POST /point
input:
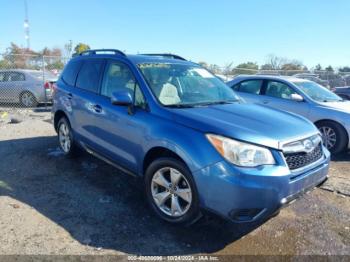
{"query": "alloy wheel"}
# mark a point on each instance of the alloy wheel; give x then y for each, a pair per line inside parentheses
(64, 137)
(329, 136)
(28, 100)
(171, 192)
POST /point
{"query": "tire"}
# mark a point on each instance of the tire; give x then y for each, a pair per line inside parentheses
(334, 135)
(27, 99)
(66, 139)
(180, 211)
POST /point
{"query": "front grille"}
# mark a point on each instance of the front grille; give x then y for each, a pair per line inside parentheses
(301, 159)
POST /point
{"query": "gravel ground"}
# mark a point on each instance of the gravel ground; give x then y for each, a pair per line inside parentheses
(53, 205)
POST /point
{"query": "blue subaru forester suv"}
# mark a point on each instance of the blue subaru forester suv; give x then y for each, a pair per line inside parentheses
(196, 144)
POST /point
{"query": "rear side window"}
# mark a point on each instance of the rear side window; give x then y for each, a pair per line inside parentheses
(70, 72)
(250, 86)
(89, 75)
(15, 76)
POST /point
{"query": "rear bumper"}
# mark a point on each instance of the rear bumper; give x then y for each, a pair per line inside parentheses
(247, 195)
(44, 96)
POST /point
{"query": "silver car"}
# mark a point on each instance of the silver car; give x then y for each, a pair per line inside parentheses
(329, 112)
(26, 87)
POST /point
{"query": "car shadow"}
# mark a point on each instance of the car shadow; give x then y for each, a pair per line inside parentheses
(100, 206)
(342, 157)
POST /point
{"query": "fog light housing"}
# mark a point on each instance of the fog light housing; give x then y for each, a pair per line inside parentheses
(245, 215)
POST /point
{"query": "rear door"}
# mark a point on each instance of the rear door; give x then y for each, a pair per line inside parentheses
(278, 95)
(250, 90)
(83, 98)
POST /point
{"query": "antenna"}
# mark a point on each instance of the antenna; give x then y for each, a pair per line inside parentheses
(26, 25)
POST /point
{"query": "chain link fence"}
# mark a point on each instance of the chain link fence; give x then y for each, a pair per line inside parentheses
(329, 79)
(26, 83)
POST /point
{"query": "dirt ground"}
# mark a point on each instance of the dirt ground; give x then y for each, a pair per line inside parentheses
(53, 205)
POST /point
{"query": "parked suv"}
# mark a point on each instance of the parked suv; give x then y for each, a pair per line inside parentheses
(329, 112)
(26, 87)
(196, 144)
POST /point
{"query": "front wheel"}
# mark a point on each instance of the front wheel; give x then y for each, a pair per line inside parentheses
(334, 136)
(171, 191)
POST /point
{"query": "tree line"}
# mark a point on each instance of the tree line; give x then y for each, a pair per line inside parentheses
(18, 57)
(272, 63)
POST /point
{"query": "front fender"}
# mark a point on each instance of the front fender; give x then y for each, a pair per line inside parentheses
(190, 145)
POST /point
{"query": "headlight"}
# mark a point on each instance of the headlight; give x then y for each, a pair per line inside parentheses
(241, 154)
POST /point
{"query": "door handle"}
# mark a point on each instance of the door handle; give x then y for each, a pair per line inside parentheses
(265, 102)
(69, 95)
(97, 108)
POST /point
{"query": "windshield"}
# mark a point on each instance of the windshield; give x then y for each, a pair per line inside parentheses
(177, 85)
(317, 92)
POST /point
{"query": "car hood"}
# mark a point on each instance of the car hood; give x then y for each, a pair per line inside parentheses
(339, 106)
(247, 122)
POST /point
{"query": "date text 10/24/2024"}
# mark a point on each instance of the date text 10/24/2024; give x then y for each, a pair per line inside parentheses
(173, 258)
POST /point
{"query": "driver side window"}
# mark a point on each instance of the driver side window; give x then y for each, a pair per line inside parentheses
(279, 90)
(118, 77)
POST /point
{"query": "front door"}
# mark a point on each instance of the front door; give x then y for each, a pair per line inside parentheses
(278, 95)
(120, 132)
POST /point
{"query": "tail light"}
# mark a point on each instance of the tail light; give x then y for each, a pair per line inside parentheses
(47, 85)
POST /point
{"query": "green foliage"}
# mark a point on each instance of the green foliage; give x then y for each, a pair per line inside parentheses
(329, 68)
(4, 64)
(318, 67)
(248, 68)
(203, 64)
(291, 66)
(81, 47)
(345, 69)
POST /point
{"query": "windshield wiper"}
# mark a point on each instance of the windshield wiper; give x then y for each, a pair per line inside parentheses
(223, 102)
(180, 106)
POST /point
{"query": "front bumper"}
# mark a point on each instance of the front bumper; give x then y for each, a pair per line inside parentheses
(249, 194)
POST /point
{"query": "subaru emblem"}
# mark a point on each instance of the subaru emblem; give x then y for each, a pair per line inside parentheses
(308, 145)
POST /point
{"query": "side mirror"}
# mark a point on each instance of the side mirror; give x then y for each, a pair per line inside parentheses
(297, 98)
(122, 98)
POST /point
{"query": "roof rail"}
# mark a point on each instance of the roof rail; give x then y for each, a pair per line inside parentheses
(167, 56)
(95, 51)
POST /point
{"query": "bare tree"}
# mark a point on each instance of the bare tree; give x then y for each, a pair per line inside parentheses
(275, 62)
(68, 48)
(227, 69)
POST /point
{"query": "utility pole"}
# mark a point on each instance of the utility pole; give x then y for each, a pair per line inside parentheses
(26, 25)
